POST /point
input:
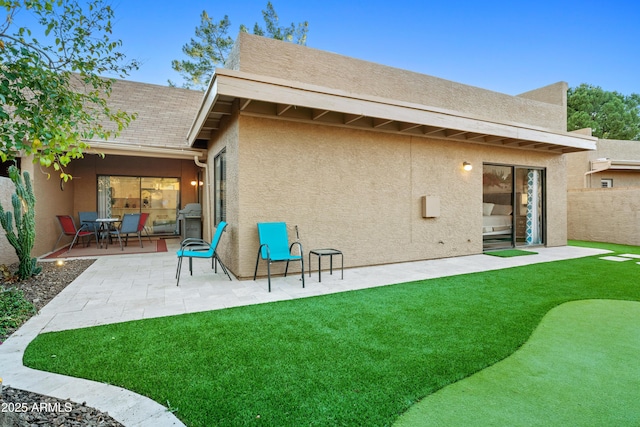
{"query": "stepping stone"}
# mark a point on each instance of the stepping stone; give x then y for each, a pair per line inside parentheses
(631, 256)
(615, 258)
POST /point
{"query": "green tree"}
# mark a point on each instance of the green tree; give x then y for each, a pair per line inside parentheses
(610, 115)
(213, 43)
(52, 98)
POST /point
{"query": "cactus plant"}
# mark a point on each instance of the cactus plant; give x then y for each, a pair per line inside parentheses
(23, 235)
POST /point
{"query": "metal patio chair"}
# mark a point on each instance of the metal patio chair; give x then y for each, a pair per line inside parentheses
(142, 225)
(274, 247)
(128, 226)
(88, 219)
(69, 229)
(198, 248)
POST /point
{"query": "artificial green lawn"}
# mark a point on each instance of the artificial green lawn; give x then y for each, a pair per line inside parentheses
(354, 358)
(577, 369)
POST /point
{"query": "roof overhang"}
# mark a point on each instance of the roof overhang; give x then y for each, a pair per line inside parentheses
(601, 165)
(137, 150)
(258, 95)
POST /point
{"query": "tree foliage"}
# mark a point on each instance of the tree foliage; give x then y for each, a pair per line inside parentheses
(212, 44)
(610, 115)
(52, 98)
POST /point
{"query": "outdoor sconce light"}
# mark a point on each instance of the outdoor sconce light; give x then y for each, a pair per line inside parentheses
(199, 183)
(467, 166)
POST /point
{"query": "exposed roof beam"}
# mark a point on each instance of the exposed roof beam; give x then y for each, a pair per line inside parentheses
(543, 146)
(510, 142)
(222, 108)
(212, 123)
(244, 103)
(350, 118)
(526, 143)
(454, 132)
(381, 122)
(430, 130)
(480, 136)
(318, 113)
(408, 126)
(494, 139)
(281, 109)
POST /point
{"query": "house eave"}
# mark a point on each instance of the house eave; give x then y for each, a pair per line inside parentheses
(601, 165)
(258, 95)
(139, 150)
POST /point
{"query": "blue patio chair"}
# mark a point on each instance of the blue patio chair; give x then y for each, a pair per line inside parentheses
(274, 247)
(88, 219)
(128, 226)
(198, 248)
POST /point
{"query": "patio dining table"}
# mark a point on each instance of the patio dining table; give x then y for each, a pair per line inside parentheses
(105, 226)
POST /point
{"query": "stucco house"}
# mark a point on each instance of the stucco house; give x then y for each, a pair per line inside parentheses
(350, 151)
(604, 193)
(150, 160)
(365, 158)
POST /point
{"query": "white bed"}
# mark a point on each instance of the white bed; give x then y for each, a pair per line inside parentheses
(496, 219)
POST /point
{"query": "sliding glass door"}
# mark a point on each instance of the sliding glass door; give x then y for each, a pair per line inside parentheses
(513, 206)
(160, 197)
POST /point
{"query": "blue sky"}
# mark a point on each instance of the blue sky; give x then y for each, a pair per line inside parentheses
(506, 46)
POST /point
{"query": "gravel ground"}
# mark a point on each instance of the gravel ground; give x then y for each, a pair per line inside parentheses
(22, 408)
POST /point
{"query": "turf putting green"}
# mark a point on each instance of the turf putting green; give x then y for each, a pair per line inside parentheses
(579, 368)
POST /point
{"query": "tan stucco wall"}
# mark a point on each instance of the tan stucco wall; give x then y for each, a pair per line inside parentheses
(543, 107)
(50, 201)
(360, 191)
(605, 215)
(579, 164)
(227, 139)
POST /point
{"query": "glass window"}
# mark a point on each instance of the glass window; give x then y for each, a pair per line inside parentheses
(160, 197)
(220, 164)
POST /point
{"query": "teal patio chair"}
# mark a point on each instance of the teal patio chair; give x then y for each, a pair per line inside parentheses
(274, 247)
(198, 248)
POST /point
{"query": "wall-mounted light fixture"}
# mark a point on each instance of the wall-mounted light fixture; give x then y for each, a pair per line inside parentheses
(467, 166)
(194, 183)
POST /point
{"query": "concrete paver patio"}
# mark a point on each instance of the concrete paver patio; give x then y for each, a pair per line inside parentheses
(132, 287)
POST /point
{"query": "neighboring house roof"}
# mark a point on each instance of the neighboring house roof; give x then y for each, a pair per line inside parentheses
(335, 90)
(160, 129)
(617, 155)
(601, 165)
